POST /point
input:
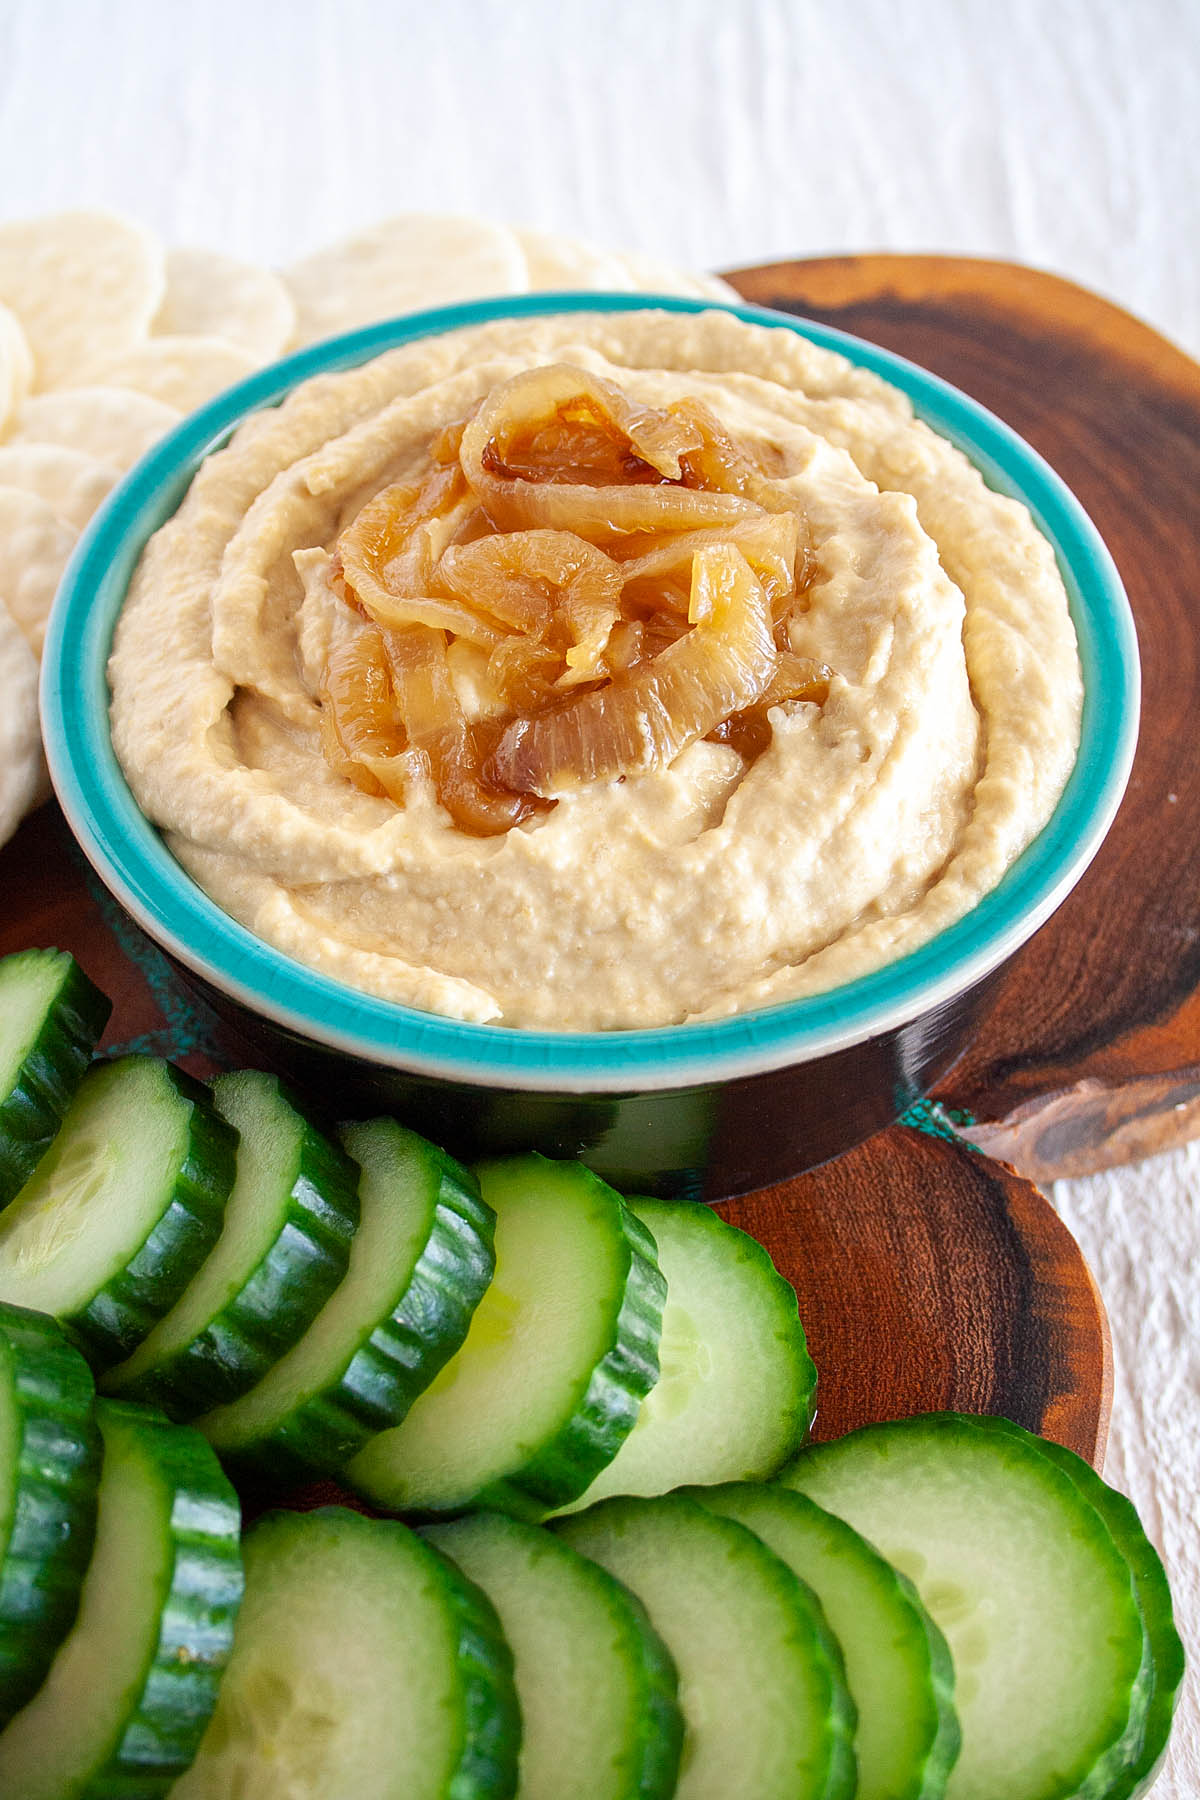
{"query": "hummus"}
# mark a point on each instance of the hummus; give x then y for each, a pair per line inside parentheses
(873, 817)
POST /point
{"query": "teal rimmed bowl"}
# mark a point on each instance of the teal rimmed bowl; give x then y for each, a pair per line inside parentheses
(713, 1108)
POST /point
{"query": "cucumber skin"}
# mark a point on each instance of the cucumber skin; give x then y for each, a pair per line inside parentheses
(1150, 1586)
(31, 1113)
(126, 1309)
(488, 1766)
(946, 1736)
(565, 1466)
(1100, 1781)
(400, 1356)
(800, 1424)
(279, 1301)
(841, 1778)
(44, 1561)
(490, 1738)
(163, 1733)
(660, 1744)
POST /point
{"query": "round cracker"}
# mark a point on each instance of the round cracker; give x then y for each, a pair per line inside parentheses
(402, 265)
(16, 366)
(22, 771)
(115, 425)
(35, 547)
(182, 371)
(650, 275)
(85, 285)
(71, 483)
(215, 296)
(715, 287)
(562, 262)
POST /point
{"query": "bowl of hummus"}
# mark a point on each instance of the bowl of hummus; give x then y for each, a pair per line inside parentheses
(625, 726)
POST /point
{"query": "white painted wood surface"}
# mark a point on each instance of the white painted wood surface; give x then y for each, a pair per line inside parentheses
(1063, 133)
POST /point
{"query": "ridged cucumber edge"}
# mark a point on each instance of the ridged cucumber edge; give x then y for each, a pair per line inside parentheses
(654, 1764)
(1096, 1781)
(163, 1731)
(772, 1282)
(279, 1300)
(946, 1742)
(32, 1111)
(661, 1744)
(399, 1356)
(944, 1732)
(813, 1634)
(488, 1766)
(1153, 1594)
(126, 1309)
(841, 1719)
(49, 1544)
(607, 1410)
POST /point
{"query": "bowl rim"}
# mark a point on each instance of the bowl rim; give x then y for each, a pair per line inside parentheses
(131, 858)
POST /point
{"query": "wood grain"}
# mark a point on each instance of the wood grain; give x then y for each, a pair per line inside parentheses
(1089, 1051)
(931, 1277)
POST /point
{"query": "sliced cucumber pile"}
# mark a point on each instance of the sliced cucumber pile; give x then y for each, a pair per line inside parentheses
(51, 1018)
(766, 1707)
(284, 1246)
(560, 1354)
(419, 1262)
(944, 1608)
(596, 1684)
(122, 1209)
(49, 1469)
(735, 1391)
(129, 1693)
(363, 1666)
(1024, 1578)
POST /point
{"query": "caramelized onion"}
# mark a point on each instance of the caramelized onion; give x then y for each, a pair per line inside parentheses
(643, 718)
(521, 488)
(361, 736)
(768, 542)
(797, 678)
(438, 731)
(521, 578)
(392, 545)
(619, 578)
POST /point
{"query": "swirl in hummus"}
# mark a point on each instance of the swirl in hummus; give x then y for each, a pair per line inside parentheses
(873, 808)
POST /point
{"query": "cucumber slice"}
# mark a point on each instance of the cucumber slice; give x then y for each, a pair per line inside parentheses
(283, 1248)
(735, 1395)
(765, 1705)
(898, 1666)
(129, 1694)
(49, 1468)
(596, 1684)
(363, 1665)
(122, 1209)
(1151, 1591)
(51, 1018)
(420, 1260)
(561, 1352)
(1023, 1577)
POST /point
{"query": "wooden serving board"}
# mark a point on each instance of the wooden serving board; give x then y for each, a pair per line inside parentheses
(928, 1276)
(1089, 1051)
